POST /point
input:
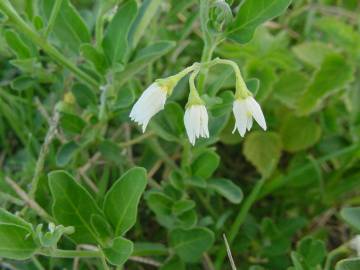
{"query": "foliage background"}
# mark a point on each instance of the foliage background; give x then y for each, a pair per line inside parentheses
(277, 195)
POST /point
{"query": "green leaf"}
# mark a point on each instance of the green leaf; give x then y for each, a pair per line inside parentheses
(340, 33)
(16, 242)
(352, 216)
(312, 53)
(83, 95)
(348, 264)
(11, 219)
(125, 97)
(96, 58)
(325, 83)
(110, 150)
(17, 45)
(312, 251)
(23, 83)
(119, 252)
(115, 43)
(226, 188)
(205, 164)
(121, 201)
(191, 244)
(101, 227)
(73, 206)
(173, 263)
(299, 133)
(66, 153)
(263, 150)
(181, 206)
(265, 74)
(252, 14)
(161, 205)
(169, 123)
(72, 123)
(145, 57)
(290, 86)
(69, 28)
(146, 13)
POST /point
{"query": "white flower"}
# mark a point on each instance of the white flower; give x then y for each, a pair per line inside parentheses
(150, 103)
(196, 122)
(245, 109)
(355, 244)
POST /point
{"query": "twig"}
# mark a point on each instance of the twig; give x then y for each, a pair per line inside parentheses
(45, 114)
(29, 201)
(43, 152)
(89, 182)
(208, 264)
(145, 261)
(228, 250)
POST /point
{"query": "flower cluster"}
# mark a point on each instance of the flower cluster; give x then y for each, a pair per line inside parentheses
(153, 99)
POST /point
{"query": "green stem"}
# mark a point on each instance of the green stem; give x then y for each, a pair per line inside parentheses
(54, 12)
(343, 249)
(234, 230)
(206, 56)
(60, 253)
(23, 27)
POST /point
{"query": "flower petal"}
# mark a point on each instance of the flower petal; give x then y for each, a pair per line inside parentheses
(256, 111)
(240, 113)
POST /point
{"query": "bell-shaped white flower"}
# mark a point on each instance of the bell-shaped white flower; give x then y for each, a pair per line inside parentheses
(245, 109)
(355, 244)
(196, 122)
(150, 103)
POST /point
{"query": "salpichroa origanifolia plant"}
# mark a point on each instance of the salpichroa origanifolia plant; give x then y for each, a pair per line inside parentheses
(129, 130)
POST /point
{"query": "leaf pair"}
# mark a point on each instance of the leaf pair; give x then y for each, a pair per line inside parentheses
(74, 206)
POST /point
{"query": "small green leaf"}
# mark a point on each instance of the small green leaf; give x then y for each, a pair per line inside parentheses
(312, 53)
(96, 58)
(146, 13)
(83, 95)
(252, 14)
(23, 83)
(191, 244)
(263, 150)
(352, 216)
(227, 189)
(169, 123)
(289, 87)
(110, 150)
(325, 83)
(69, 28)
(72, 123)
(119, 252)
(66, 153)
(206, 164)
(348, 264)
(115, 43)
(121, 201)
(16, 242)
(312, 251)
(181, 206)
(73, 206)
(299, 133)
(17, 45)
(8, 218)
